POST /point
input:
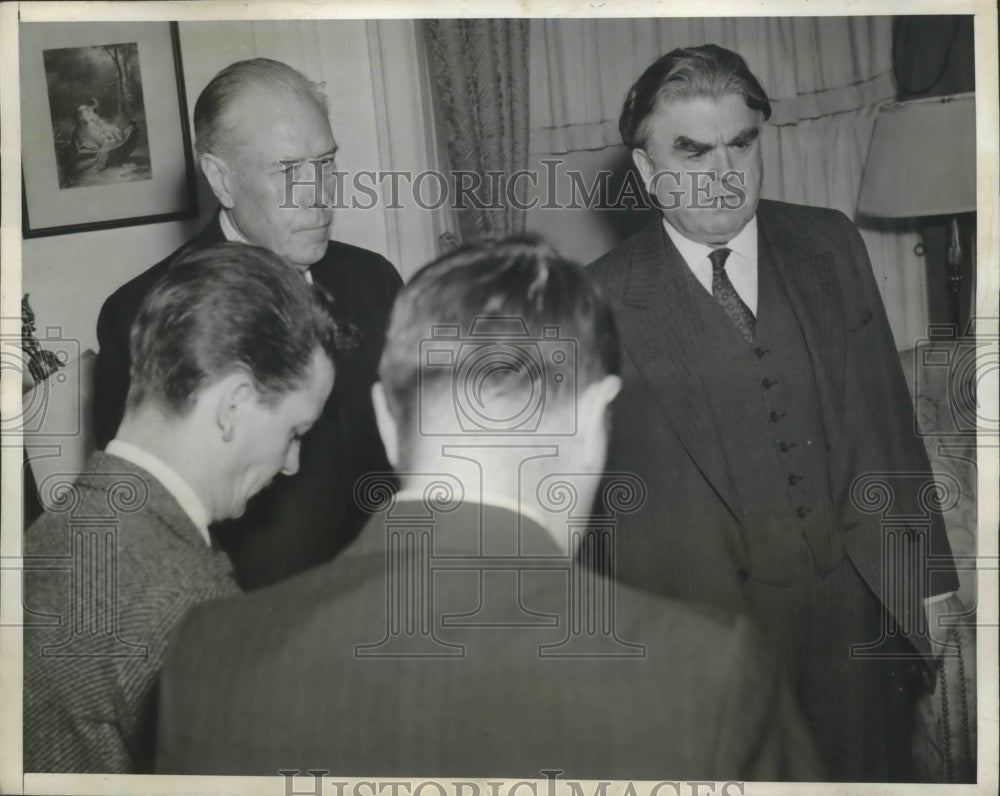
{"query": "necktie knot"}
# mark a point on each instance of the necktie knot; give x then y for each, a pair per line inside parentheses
(718, 258)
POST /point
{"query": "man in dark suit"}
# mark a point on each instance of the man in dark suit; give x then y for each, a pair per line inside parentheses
(760, 380)
(442, 642)
(234, 362)
(263, 140)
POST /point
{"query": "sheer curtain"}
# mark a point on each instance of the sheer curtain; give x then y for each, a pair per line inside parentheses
(825, 77)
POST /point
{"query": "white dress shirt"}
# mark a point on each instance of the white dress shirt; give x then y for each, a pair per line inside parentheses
(233, 235)
(180, 489)
(741, 265)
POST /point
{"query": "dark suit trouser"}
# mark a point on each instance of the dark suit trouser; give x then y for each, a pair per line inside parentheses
(859, 708)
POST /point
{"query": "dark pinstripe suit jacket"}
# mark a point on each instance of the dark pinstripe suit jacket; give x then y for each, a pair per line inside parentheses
(685, 540)
(108, 572)
(311, 674)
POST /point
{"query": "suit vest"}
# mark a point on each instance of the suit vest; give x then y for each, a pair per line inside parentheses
(764, 401)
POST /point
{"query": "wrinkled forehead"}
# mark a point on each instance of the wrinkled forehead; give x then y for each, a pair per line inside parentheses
(701, 117)
(277, 120)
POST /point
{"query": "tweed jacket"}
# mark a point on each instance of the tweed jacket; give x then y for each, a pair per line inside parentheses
(109, 570)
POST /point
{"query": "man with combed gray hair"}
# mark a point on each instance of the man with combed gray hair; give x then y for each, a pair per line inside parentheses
(233, 357)
(260, 127)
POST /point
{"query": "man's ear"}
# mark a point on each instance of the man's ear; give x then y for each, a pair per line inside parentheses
(387, 427)
(597, 397)
(645, 166)
(220, 178)
(233, 396)
(593, 408)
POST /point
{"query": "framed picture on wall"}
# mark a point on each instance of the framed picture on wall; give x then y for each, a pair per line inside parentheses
(104, 126)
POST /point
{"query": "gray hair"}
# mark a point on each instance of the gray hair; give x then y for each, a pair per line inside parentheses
(213, 123)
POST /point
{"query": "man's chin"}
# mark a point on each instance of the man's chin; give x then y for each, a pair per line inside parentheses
(306, 255)
(718, 230)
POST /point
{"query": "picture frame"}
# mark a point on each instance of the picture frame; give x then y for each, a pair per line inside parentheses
(105, 140)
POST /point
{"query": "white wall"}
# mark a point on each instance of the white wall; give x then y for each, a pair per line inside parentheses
(369, 68)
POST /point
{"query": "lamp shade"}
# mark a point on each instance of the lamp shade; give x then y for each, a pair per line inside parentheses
(922, 160)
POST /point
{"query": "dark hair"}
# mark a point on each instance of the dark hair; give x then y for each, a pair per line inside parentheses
(486, 286)
(213, 122)
(224, 307)
(705, 71)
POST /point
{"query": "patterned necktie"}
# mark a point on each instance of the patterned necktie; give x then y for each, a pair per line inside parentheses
(727, 296)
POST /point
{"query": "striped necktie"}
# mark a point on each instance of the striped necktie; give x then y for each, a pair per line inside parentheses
(727, 296)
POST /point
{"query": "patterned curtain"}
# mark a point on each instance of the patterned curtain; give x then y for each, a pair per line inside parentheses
(479, 69)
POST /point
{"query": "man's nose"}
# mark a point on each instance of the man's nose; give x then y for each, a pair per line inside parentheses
(291, 466)
(722, 163)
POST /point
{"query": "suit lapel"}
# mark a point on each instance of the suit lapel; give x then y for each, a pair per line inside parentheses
(806, 273)
(661, 332)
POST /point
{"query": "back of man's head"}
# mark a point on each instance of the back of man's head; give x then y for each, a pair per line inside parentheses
(496, 338)
(217, 124)
(220, 308)
(686, 73)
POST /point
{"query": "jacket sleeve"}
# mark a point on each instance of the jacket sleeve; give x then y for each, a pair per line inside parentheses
(905, 448)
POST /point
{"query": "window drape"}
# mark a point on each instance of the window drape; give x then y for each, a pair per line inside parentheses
(479, 68)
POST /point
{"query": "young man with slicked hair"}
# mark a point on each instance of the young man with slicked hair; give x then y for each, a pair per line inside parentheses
(233, 356)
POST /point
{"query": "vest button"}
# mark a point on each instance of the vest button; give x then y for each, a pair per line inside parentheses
(775, 415)
(767, 384)
(760, 353)
(784, 447)
(794, 479)
(802, 511)
(742, 575)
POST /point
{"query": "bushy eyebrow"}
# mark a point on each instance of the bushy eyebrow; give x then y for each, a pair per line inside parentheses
(684, 144)
(745, 136)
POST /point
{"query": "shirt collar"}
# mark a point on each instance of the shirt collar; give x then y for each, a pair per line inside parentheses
(180, 489)
(499, 501)
(233, 235)
(693, 252)
(229, 228)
